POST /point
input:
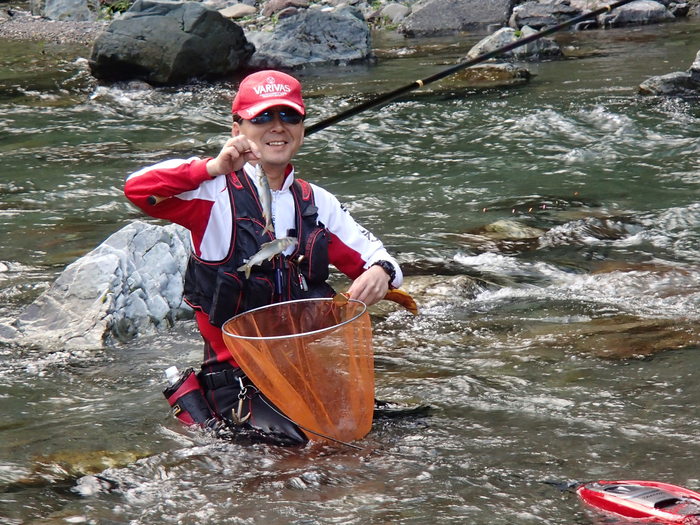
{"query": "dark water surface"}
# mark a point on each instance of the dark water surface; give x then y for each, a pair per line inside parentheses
(564, 349)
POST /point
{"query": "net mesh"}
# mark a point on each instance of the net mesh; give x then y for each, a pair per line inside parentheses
(313, 359)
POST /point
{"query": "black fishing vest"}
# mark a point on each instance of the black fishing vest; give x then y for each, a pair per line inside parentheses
(221, 291)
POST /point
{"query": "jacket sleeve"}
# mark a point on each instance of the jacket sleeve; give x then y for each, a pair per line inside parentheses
(188, 196)
(352, 248)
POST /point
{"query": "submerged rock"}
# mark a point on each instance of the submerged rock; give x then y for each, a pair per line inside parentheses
(436, 291)
(680, 83)
(481, 76)
(437, 288)
(536, 50)
(71, 465)
(673, 84)
(131, 284)
(512, 230)
(502, 236)
(621, 337)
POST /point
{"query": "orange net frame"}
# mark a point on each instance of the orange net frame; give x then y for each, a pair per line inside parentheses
(313, 359)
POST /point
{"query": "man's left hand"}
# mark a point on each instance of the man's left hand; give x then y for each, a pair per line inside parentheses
(371, 286)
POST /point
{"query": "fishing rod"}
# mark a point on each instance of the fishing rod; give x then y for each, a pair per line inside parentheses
(391, 95)
(417, 84)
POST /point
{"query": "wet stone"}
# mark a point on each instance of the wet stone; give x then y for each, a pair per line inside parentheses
(129, 285)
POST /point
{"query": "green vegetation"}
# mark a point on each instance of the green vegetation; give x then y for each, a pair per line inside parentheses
(109, 8)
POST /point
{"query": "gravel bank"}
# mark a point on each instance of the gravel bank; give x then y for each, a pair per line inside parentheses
(17, 24)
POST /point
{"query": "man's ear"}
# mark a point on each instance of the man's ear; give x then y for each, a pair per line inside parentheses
(235, 129)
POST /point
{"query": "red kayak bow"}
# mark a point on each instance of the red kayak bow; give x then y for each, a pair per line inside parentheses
(645, 500)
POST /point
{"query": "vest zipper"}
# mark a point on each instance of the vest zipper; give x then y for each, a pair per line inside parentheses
(273, 210)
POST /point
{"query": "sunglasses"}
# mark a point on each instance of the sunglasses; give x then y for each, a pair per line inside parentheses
(288, 116)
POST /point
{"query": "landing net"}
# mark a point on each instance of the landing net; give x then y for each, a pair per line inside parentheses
(313, 359)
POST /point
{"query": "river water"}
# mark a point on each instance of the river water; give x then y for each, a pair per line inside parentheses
(550, 234)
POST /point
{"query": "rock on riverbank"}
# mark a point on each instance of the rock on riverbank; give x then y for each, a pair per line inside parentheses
(18, 23)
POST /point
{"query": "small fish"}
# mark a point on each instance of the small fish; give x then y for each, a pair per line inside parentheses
(402, 298)
(265, 198)
(267, 251)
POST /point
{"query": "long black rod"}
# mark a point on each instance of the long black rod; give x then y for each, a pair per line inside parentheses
(391, 95)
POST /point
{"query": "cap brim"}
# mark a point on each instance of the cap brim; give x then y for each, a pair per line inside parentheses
(258, 108)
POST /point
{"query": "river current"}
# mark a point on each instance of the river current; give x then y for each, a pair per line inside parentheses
(550, 233)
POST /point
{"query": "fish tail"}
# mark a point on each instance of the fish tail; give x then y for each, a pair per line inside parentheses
(245, 268)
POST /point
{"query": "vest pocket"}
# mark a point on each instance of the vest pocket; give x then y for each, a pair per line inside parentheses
(234, 295)
(260, 291)
(316, 260)
(227, 299)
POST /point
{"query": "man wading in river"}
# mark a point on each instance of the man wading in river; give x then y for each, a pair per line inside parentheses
(245, 201)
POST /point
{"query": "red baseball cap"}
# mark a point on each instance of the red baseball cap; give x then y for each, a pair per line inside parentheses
(265, 89)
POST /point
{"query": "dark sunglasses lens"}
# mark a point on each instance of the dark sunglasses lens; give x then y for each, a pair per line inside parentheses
(262, 118)
(288, 117)
(291, 117)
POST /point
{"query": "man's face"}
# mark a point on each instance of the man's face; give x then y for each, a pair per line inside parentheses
(277, 140)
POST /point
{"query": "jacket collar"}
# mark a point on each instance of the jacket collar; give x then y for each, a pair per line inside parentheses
(249, 170)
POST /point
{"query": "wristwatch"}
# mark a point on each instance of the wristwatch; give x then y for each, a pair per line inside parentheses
(388, 268)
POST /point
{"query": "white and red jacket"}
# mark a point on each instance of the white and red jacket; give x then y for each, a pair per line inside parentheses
(202, 204)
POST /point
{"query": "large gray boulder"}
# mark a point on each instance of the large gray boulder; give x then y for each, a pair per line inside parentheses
(131, 284)
(441, 17)
(313, 37)
(169, 43)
